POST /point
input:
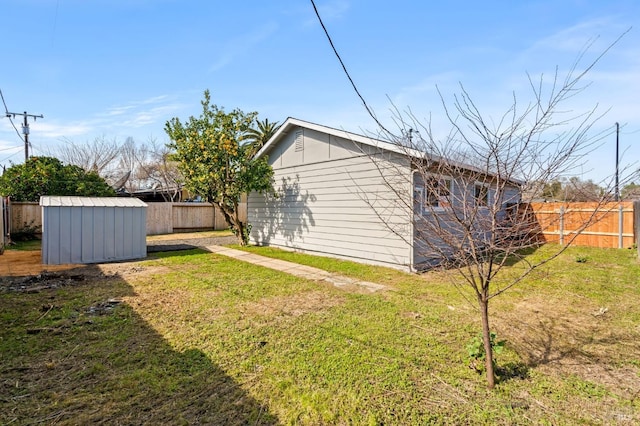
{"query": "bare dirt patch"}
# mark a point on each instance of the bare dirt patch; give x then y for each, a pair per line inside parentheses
(564, 342)
(27, 264)
(16, 263)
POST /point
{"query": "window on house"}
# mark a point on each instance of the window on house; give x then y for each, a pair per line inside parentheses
(418, 199)
(481, 194)
(437, 193)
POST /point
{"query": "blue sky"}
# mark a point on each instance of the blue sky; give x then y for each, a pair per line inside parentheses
(119, 68)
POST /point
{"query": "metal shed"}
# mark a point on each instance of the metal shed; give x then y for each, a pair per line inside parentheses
(92, 229)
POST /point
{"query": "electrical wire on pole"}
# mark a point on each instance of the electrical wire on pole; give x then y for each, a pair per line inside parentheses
(25, 128)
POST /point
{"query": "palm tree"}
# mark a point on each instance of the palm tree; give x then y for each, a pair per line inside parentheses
(259, 135)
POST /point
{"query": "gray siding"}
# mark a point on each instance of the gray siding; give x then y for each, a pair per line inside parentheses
(334, 200)
(429, 246)
(77, 233)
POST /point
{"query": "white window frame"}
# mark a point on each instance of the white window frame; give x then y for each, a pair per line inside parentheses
(482, 187)
(430, 201)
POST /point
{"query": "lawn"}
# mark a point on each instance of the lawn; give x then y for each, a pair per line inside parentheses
(194, 338)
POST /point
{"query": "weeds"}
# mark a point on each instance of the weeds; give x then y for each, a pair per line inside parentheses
(477, 354)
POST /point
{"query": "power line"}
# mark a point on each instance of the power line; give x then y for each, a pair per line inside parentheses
(344, 68)
(6, 111)
(25, 129)
(25, 125)
(7, 158)
(3, 102)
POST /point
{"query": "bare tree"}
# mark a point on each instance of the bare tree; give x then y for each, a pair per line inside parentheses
(129, 166)
(159, 171)
(469, 211)
(150, 167)
(99, 155)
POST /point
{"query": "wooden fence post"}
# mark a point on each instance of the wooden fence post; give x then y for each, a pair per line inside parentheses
(561, 240)
(620, 225)
(636, 224)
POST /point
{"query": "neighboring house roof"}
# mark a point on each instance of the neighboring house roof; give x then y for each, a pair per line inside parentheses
(67, 201)
(365, 140)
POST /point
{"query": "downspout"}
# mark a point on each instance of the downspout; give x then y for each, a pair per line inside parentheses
(411, 222)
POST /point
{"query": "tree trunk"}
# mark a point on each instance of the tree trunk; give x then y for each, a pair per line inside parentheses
(233, 220)
(483, 301)
(241, 226)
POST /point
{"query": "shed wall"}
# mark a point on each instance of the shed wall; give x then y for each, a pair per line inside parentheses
(335, 200)
(92, 234)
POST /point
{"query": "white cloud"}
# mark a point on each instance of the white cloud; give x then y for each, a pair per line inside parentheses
(335, 9)
(151, 116)
(329, 11)
(124, 109)
(54, 130)
(135, 114)
(575, 38)
(237, 46)
(118, 110)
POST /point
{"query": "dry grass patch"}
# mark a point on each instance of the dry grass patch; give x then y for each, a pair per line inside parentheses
(292, 305)
(190, 235)
(565, 338)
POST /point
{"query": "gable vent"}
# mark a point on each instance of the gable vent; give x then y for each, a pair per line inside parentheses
(299, 141)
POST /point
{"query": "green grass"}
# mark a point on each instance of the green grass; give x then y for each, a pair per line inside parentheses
(24, 245)
(202, 339)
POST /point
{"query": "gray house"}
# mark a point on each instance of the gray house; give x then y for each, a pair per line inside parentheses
(346, 195)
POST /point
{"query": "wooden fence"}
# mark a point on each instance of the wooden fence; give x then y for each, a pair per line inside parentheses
(167, 218)
(5, 225)
(614, 225)
(25, 215)
(162, 218)
(636, 224)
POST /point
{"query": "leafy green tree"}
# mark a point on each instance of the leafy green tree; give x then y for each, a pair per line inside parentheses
(49, 176)
(578, 190)
(216, 164)
(631, 191)
(552, 190)
(258, 136)
(572, 189)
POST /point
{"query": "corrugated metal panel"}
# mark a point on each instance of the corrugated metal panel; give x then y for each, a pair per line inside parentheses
(92, 230)
(66, 201)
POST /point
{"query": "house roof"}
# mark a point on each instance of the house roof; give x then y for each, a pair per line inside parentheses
(365, 140)
(294, 122)
(67, 201)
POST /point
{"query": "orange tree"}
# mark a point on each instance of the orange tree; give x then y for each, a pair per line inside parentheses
(216, 164)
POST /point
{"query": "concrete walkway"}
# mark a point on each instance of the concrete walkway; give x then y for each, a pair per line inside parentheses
(301, 271)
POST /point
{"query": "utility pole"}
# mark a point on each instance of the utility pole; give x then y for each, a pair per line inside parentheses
(25, 129)
(617, 161)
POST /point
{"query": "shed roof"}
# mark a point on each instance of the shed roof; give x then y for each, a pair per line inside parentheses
(66, 201)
